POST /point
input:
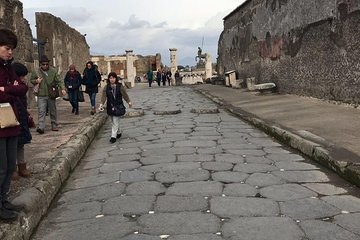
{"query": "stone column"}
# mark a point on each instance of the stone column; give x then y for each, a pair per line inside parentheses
(108, 66)
(173, 64)
(208, 66)
(130, 67)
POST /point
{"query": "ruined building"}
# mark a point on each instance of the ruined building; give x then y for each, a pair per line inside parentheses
(306, 47)
(11, 17)
(63, 44)
(118, 64)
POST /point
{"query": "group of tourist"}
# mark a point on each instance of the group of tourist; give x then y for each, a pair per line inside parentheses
(47, 85)
(162, 76)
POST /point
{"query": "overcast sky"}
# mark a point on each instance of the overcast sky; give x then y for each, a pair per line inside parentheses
(146, 26)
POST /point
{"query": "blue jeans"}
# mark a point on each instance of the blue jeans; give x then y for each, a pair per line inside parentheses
(73, 98)
(92, 97)
(8, 152)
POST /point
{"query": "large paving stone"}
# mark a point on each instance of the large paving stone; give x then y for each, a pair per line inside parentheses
(259, 160)
(141, 237)
(264, 179)
(195, 158)
(217, 166)
(92, 193)
(295, 166)
(284, 157)
(254, 168)
(120, 166)
(302, 176)
(180, 204)
(262, 228)
(239, 146)
(229, 158)
(123, 158)
(179, 223)
(73, 212)
(124, 151)
(229, 177)
(247, 152)
(309, 208)
(196, 237)
(92, 181)
(349, 222)
(157, 145)
(135, 176)
(195, 143)
(243, 207)
(149, 160)
(129, 205)
(240, 190)
(195, 188)
(182, 175)
(169, 151)
(325, 188)
(145, 188)
(286, 192)
(171, 166)
(344, 202)
(110, 227)
(210, 150)
(320, 230)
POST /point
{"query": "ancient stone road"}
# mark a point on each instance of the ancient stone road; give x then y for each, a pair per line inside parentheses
(198, 176)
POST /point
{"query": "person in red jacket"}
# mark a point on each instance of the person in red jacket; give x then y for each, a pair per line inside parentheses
(11, 88)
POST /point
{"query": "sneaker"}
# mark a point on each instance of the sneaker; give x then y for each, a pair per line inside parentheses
(9, 206)
(118, 135)
(7, 215)
(112, 140)
(55, 129)
(40, 131)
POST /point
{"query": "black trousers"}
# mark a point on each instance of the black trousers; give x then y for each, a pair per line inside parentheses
(8, 155)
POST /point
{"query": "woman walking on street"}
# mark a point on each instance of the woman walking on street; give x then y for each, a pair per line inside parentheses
(91, 78)
(11, 88)
(113, 94)
(72, 82)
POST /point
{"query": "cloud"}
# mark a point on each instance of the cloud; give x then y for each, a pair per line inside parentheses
(111, 28)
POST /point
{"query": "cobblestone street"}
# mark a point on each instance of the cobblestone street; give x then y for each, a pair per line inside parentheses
(188, 170)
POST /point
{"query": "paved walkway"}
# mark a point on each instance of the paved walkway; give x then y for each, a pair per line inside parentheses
(199, 176)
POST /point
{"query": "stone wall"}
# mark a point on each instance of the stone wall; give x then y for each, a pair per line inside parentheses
(11, 17)
(306, 47)
(64, 45)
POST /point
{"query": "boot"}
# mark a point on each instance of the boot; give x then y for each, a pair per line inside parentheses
(92, 112)
(7, 215)
(12, 207)
(23, 172)
(15, 176)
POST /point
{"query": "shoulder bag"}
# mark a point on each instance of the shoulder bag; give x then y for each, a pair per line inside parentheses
(7, 116)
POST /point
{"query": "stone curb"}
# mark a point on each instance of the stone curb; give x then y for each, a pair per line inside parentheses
(38, 198)
(315, 151)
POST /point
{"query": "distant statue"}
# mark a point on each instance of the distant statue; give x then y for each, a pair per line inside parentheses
(200, 56)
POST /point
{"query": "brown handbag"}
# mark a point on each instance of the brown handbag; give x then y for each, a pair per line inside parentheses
(7, 116)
